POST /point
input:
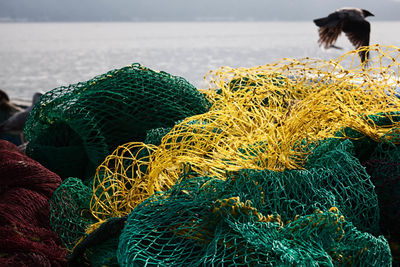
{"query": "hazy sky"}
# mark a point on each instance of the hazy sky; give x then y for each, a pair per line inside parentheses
(186, 10)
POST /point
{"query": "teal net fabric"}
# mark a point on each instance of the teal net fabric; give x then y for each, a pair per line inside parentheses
(204, 221)
(73, 128)
(70, 211)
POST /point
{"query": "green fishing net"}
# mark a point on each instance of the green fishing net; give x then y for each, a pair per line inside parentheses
(70, 218)
(207, 221)
(104, 254)
(73, 128)
(69, 211)
(339, 171)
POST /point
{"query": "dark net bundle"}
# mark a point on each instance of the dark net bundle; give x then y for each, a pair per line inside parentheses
(103, 254)
(26, 238)
(100, 246)
(72, 129)
(384, 168)
(381, 159)
(206, 221)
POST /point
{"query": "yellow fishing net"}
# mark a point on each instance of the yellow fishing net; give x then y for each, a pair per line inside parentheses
(123, 172)
(263, 117)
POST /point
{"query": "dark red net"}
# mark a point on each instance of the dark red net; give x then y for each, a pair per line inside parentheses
(25, 189)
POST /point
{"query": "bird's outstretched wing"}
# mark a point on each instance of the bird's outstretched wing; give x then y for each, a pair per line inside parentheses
(358, 34)
(329, 35)
(329, 30)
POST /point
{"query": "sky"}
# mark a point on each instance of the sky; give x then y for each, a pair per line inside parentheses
(187, 10)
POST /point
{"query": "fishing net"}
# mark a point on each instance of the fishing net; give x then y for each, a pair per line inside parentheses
(25, 189)
(69, 211)
(127, 168)
(253, 180)
(73, 128)
(334, 177)
(71, 219)
(8, 146)
(207, 221)
(264, 117)
(267, 117)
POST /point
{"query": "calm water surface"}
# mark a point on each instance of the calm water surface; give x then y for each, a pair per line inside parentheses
(42, 56)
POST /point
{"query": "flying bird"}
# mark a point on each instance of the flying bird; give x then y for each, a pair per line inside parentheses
(352, 22)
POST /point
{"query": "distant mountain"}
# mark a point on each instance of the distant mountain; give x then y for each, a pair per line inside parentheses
(184, 10)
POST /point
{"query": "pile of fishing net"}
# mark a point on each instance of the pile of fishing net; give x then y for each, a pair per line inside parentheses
(273, 173)
(207, 221)
(73, 128)
(26, 238)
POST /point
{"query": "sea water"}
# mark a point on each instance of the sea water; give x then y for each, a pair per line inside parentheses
(42, 56)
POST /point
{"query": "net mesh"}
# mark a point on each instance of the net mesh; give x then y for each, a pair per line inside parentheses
(99, 247)
(72, 129)
(70, 215)
(207, 221)
(127, 168)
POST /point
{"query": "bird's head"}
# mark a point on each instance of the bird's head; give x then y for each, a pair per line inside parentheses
(366, 13)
